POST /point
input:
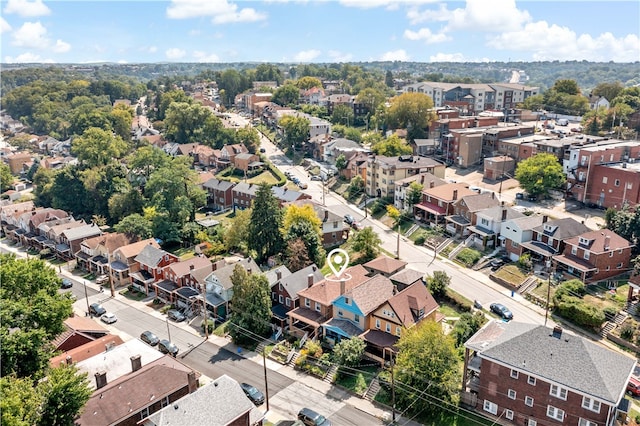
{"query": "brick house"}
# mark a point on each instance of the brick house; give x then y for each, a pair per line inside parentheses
(514, 232)
(125, 270)
(426, 180)
(247, 162)
(382, 172)
(284, 292)
(496, 167)
(95, 253)
(437, 202)
(219, 193)
(228, 154)
(548, 239)
(244, 194)
(315, 302)
(594, 256)
(465, 210)
(356, 166)
(405, 278)
(384, 265)
(334, 230)
(532, 375)
(70, 239)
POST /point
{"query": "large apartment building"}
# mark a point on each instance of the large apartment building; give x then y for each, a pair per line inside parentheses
(383, 172)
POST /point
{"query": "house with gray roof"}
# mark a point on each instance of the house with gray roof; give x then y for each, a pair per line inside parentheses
(488, 223)
(284, 292)
(219, 193)
(244, 194)
(465, 210)
(516, 231)
(535, 375)
(70, 239)
(152, 261)
(548, 238)
(219, 403)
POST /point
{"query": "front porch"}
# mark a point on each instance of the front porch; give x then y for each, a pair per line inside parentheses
(486, 236)
(429, 213)
(337, 329)
(305, 321)
(574, 267)
(457, 225)
(380, 345)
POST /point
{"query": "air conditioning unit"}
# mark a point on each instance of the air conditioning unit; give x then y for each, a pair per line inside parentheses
(632, 160)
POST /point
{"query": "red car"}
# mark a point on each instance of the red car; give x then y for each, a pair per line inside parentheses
(633, 387)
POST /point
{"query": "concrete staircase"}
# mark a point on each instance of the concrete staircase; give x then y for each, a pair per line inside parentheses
(372, 391)
(261, 347)
(528, 284)
(294, 357)
(608, 328)
(331, 374)
(411, 230)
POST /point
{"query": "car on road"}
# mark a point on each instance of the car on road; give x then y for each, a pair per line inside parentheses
(149, 338)
(633, 387)
(519, 196)
(166, 347)
(66, 283)
(252, 393)
(288, 174)
(262, 150)
(349, 219)
(295, 180)
(96, 309)
(109, 318)
(311, 418)
(303, 185)
(316, 177)
(501, 310)
(176, 315)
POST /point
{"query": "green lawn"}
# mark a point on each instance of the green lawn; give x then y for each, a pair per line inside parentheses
(264, 177)
(511, 274)
(347, 377)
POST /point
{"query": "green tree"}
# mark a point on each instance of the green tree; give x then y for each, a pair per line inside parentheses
(296, 130)
(250, 137)
(286, 95)
(388, 78)
(534, 103)
(185, 122)
(265, 237)
(342, 114)
(65, 392)
(371, 98)
(608, 90)
(414, 195)
(367, 243)
(6, 178)
(20, 402)
(97, 147)
(411, 111)
(626, 223)
(31, 314)
(467, 326)
(135, 225)
(353, 134)
(438, 283)
(348, 352)
(540, 173)
(392, 147)
(147, 159)
(251, 319)
(296, 255)
(307, 82)
(341, 162)
(427, 360)
(237, 235)
(304, 231)
(121, 119)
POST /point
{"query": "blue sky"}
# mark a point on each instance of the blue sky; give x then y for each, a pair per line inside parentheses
(318, 31)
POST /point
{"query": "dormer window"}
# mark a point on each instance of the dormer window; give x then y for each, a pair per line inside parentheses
(346, 300)
(584, 241)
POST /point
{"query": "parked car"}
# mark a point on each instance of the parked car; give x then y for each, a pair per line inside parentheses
(501, 310)
(102, 279)
(349, 219)
(316, 177)
(311, 418)
(519, 196)
(633, 387)
(357, 226)
(66, 283)
(109, 318)
(303, 185)
(149, 338)
(496, 264)
(176, 315)
(166, 347)
(252, 393)
(262, 150)
(96, 309)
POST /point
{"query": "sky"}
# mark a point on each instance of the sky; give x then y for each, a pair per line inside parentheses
(318, 31)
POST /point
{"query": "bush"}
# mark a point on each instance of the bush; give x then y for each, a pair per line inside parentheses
(361, 384)
(525, 262)
(610, 312)
(626, 332)
(469, 256)
(579, 312)
(420, 240)
(211, 325)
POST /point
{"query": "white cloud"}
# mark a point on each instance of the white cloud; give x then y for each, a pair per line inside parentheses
(395, 55)
(31, 35)
(425, 35)
(205, 57)
(389, 4)
(4, 26)
(221, 10)
(306, 55)
(416, 16)
(447, 57)
(551, 42)
(153, 49)
(502, 15)
(26, 8)
(26, 57)
(337, 56)
(174, 53)
(61, 47)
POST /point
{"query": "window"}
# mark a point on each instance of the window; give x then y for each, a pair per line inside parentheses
(317, 307)
(611, 253)
(287, 302)
(531, 380)
(619, 265)
(378, 324)
(508, 414)
(616, 182)
(574, 250)
(555, 413)
(339, 313)
(586, 255)
(144, 413)
(558, 392)
(346, 300)
(281, 299)
(397, 331)
(585, 422)
(511, 394)
(532, 422)
(356, 318)
(164, 401)
(388, 328)
(591, 404)
(514, 374)
(528, 401)
(307, 303)
(490, 407)
(604, 179)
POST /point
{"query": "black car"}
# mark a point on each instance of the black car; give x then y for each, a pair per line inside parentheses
(96, 309)
(176, 315)
(501, 310)
(519, 196)
(252, 393)
(149, 338)
(349, 219)
(66, 283)
(166, 347)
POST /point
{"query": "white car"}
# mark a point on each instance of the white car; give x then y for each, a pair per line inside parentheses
(109, 318)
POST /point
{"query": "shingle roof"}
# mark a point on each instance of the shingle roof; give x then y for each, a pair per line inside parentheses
(87, 350)
(325, 291)
(150, 255)
(564, 228)
(477, 202)
(445, 192)
(496, 213)
(111, 241)
(224, 274)
(220, 185)
(385, 264)
(371, 293)
(570, 360)
(616, 242)
(82, 232)
(299, 280)
(406, 276)
(272, 274)
(218, 403)
(416, 297)
(134, 249)
(246, 188)
(182, 268)
(286, 195)
(527, 222)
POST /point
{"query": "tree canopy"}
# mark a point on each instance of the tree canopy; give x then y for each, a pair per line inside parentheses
(540, 173)
(411, 111)
(367, 243)
(265, 237)
(393, 146)
(251, 319)
(296, 130)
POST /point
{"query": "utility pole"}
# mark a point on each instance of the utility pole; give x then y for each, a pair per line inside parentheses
(266, 385)
(546, 310)
(393, 392)
(206, 325)
(168, 330)
(398, 241)
(86, 296)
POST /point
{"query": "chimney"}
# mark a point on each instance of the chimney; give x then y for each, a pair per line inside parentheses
(278, 274)
(136, 363)
(422, 179)
(504, 214)
(192, 267)
(342, 287)
(432, 184)
(192, 381)
(557, 332)
(545, 218)
(309, 280)
(101, 379)
(607, 242)
(326, 215)
(455, 194)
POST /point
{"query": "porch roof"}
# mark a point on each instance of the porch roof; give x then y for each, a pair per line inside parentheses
(430, 208)
(342, 327)
(458, 220)
(539, 247)
(379, 338)
(579, 264)
(306, 315)
(186, 292)
(166, 285)
(140, 276)
(481, 231)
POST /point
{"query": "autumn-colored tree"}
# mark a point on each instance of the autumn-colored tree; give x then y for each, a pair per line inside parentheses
(297, 255)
